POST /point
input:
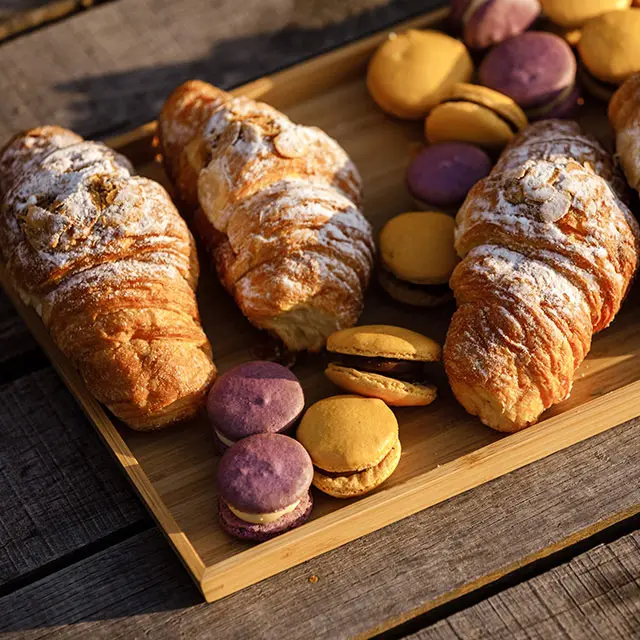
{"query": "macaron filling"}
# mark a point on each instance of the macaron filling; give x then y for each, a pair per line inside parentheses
(407, 370)
(602, 86)
(538, 112)
(226, 441)
(513, 127)
(263, 518)
(436, 290)
(350, 474)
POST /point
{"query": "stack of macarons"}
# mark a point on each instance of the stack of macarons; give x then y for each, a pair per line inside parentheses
(264, 475)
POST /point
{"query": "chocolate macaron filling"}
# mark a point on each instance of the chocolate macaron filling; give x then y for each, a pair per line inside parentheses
(435, 290)
(348, 474)
(513, 127)
(407, 370)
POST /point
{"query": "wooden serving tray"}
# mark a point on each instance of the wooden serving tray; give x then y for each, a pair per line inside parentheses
(445, 450)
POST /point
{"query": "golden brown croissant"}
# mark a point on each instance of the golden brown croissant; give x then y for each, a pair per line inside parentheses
(110, 266)
(278, 205)
(624, 114)
(548, 252)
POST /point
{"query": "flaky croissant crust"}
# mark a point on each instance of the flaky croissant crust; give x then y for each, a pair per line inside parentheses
(278, 204)
(549, 249)
(108, 263)
(624, 115)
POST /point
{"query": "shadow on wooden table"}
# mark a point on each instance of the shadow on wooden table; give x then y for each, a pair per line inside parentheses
(108, 103)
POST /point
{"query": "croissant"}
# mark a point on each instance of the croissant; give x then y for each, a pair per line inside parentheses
(624, 114)
(278, 205)
(108, 263)
(549, 249)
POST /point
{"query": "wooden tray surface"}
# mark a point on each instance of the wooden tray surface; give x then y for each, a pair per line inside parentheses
(445, 450)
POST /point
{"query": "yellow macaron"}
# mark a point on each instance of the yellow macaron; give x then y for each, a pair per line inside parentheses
(383, 361)
(610, 51)
(353, 443)
(411, 71)
(574, 13)
(417, 257)
(475, 114)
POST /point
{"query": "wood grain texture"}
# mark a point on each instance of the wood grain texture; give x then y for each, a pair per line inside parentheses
(373, 583)
(595, 595)
(15, 338)
(59, 489)
(111, 67)
(17, 16)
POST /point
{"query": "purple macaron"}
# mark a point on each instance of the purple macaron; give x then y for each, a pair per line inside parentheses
(537, 70)
(441, 175)
(264, 482)
(484, 23)
(254, 397)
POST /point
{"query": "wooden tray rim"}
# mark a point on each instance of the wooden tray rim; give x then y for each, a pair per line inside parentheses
(370, 512)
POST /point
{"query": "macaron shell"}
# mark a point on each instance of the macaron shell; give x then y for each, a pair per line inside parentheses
(531, 68)
(243, 530)
(496, 20)
(418, 247)
(610, 45)
(575, 13)
(255, 397)
(264, 473)
(405, 293)
(355, 485)
(443, 174)
(411, 71)
(467, 122)
(384, 341)
(598, 89)
(348, 433)
(494, 100)
(396, 393)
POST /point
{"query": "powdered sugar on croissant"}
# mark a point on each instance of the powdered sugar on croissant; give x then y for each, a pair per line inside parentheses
(279, 205)
(109, 264)
(549, 249)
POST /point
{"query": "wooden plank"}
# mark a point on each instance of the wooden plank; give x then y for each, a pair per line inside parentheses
(110, 68)
(17, 16)
(369, 585)
(59, 489)
(15, 338)
(595, 595)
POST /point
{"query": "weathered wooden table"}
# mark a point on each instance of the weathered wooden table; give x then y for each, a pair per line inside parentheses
(549, 551)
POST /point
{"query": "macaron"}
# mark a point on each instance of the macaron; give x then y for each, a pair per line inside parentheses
(484, 23)
(353, 443)
(382, 361)
(442, 174)
(571, 14)
(264, 482)
(254, 397)
(411, 71)
(477, 115)
(610, 51)
(417, 257)
(536, 69)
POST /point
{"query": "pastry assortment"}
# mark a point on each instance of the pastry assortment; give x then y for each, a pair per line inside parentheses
(527, 226)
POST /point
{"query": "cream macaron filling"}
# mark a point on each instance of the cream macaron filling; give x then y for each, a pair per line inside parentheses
(263, 518)
(223, 438)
